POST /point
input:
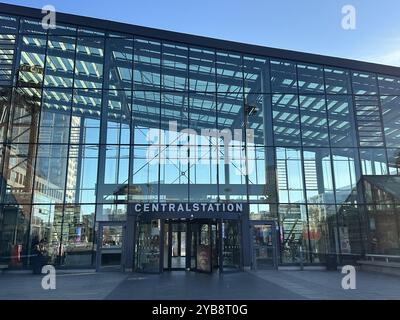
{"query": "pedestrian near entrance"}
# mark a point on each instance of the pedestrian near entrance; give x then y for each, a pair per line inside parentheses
(39, 256)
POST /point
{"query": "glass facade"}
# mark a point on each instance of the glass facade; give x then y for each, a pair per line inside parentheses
(85, 129)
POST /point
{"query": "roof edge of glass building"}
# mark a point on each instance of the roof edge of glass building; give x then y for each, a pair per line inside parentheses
(160, 34)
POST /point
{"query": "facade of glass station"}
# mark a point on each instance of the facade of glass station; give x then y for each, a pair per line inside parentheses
(78, 103)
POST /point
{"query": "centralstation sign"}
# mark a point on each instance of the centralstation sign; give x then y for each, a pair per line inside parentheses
(188, 208)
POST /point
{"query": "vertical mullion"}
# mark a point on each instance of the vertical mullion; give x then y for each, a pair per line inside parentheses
(310, 256)
(37, 145)
(69, 144)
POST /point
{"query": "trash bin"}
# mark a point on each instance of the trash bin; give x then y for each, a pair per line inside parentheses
(331, 262)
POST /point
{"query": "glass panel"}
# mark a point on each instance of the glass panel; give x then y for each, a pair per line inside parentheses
(119, 63)
(46, 227)
(85, 122)
(394, 161)
(146, 117)
(63, 29)
(147, 64)
(337, 81)
(194, 228)
(293, 231)
(341, 121)
(311, 78)
(257, 108)
(391, 119)
(117, 165)
(60, 61)
(14, 226)
(389, 85)
(8, 24)
(55, 116)
(31, 26)
(314, 122)
(369, 121)
(24, 119)
(118, 112)
(89, 63)
(256, 74)
(202, 70)
(344, 161)
(364, 83)
(174, 113)
(19, 164)
(203, 117)
(263, 246)
(50, 174)
(318, 176)
(145, 176)
(383, 231)
(111, 212)
(229, 72)
(257, 174)
(82, 174)
(232, 174)
(111, 237)
(231, 245)
(286, 120)
(167, 230)
(174, 66)
(178, 246)
(350, 239)
(8, 51)
(322, 231)
(380, 189)
(203, 173)
(148, 247)
(90, 32)
(5, 103)
(373, 161)
(263, 211)
(30, 69)
(231, 116)
(283, 76)
(289, 175)
(204, 249)
(78, 234)
(174, 174)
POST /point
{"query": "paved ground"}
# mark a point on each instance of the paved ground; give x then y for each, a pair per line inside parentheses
(275, 285)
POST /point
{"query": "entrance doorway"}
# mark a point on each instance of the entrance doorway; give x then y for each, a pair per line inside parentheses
(200, 245)
(264, 247)
(175, 244)
(191, 245)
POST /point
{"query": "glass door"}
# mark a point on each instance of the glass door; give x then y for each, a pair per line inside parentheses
(148, 246)
(175, 242)
(194, 236)
(109, 246)
(231, 253)
(264, 247)
(204, 248)
(178, 245)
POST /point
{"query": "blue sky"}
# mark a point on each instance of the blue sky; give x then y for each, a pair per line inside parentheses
(303, 25)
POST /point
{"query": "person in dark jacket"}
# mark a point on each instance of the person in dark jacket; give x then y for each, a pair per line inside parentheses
(35, 257)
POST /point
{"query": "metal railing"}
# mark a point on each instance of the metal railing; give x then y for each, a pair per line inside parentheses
(382, 257)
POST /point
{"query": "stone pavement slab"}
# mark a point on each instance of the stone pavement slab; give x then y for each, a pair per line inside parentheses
(181, 285)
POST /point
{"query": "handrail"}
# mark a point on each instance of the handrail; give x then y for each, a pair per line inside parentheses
(381, 256)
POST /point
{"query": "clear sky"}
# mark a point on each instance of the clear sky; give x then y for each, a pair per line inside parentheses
(304, 25)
